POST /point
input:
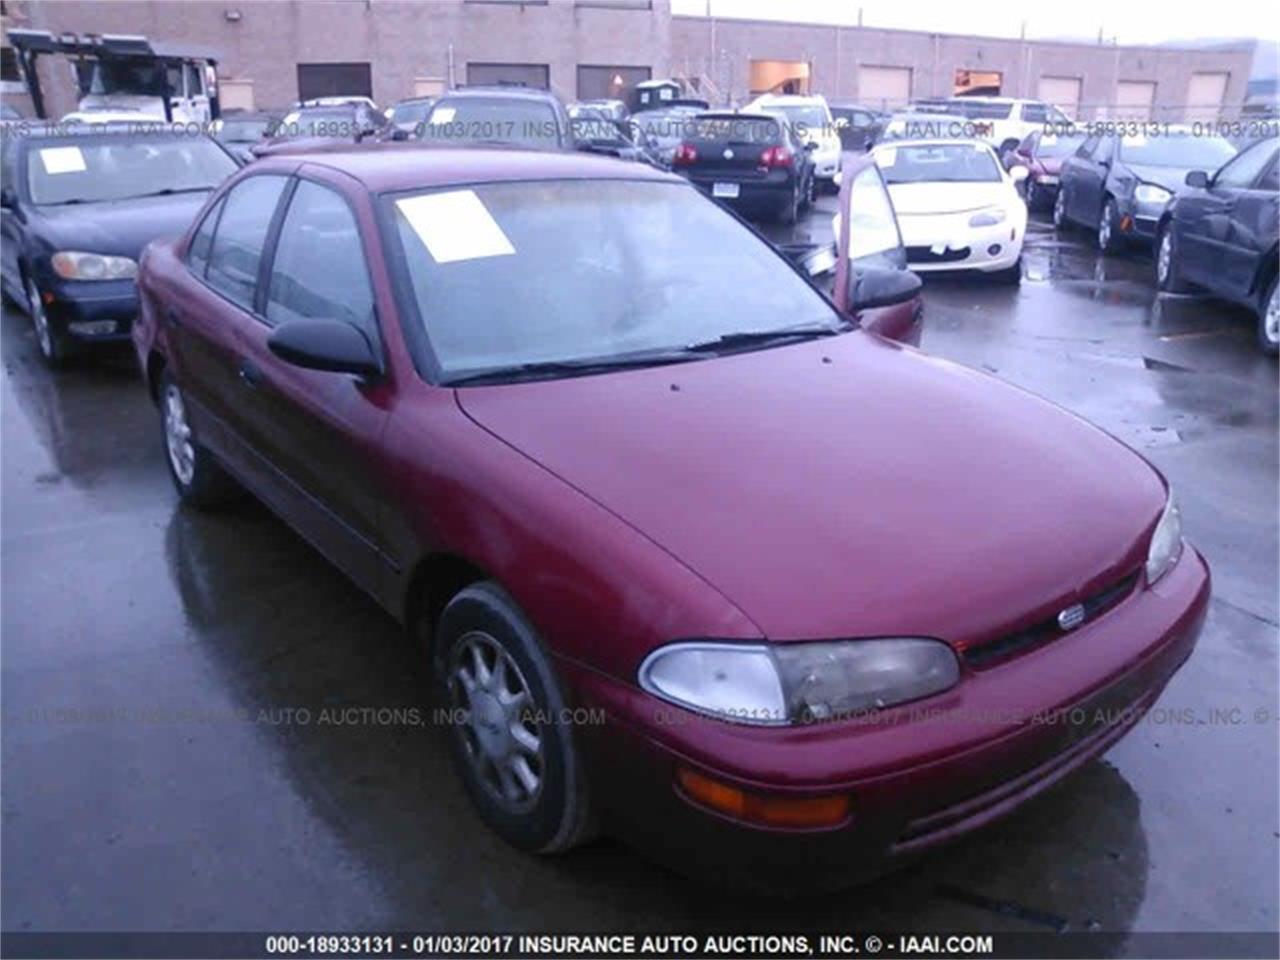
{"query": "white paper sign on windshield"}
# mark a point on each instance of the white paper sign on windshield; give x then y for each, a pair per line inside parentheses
(442, 115)
(454, 226)
(62, 160)
(886, 157)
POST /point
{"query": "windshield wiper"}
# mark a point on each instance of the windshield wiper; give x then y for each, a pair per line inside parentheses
(747, 338)
(169, 191)
(549, 369)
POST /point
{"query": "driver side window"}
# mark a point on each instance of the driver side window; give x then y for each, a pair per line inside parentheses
(874, 240)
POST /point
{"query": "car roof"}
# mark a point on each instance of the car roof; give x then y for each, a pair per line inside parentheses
(934, 142)
(390, 167)
(500, 90)
(789, 99)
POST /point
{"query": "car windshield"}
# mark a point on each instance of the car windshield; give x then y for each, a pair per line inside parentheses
(410, 112)
(337, 121)
(923, 126)
(807, 120)
(937, 163)
(95, 168)
(499, 119)
(618, 269)
(1055, 146)
(243, 131)
(981, 109)
(1177, 149)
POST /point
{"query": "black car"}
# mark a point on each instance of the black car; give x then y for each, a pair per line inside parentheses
(76, 210)
(857, 126)
(239, 131)
(749, 161)
(1219, 234)
(405, 116)
(507, 115)
(314, 124)
(1118, 186)
(596, 130)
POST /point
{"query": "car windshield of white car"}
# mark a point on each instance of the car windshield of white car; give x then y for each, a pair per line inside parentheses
(806, 121)
(937, 163)
(1177, 150)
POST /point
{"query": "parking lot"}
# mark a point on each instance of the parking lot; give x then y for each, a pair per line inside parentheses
(165, 671)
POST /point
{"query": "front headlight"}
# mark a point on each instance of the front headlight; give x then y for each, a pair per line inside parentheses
(71, 265)
(1166, 542)
(988, 218)
(1150, 193)
(798, 682)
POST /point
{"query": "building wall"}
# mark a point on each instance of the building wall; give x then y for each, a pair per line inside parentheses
(403, 40)
(722, 49)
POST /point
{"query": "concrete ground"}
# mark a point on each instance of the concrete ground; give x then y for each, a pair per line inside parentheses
(158, 771)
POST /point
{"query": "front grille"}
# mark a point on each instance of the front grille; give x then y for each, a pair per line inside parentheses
(926, 255)
(1047, 630)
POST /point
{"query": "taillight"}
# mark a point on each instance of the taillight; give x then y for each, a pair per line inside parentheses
(776, 157)
(685, 154)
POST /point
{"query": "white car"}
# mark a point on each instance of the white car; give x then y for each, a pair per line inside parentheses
(1005, 122)
(958, 208)
(810, 121)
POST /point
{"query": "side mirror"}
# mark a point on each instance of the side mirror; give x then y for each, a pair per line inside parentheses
(1018, 173)
(810, 146)
(1197, 178)
(330, 345)
(880, 287)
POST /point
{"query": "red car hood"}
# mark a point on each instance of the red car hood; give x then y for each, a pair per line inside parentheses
(848, 486)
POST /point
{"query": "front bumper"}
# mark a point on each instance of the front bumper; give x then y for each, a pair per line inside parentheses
(98, 311)
(919, 775)
(937, 246)
(826, 161)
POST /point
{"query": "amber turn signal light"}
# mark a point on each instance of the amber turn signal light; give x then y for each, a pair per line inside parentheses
(769, 811)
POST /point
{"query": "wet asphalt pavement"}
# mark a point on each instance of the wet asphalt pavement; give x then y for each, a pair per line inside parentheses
(159, 774)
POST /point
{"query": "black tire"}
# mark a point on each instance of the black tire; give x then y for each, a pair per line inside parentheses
(806, 202)
(1060, 219)
(556, 815)
(197, 476)
(55, 347)
(1107, 240)
(1011, 275)
(1269, 320)
(1165, 265)
(790, 211)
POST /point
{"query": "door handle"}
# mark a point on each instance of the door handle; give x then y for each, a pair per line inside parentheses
(250, 375)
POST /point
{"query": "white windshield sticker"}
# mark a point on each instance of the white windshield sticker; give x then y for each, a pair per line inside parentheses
(62, 160)
(887, 157)
(443, 114)
(665, 94)
(455, 226)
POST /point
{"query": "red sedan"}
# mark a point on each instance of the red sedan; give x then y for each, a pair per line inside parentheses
(694, 553)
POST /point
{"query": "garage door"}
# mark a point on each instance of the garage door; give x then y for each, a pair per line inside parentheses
(884, 86)
(520, 74)
(334, 80)
(1133, 100)
(1205, 94)
(1062, 92)
(609, 83)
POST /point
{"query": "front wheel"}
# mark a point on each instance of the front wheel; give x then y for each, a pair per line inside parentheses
(1269, 320)
(54, 347)
(1060, 210)
(197, 476)
(1167, 277)
(512, 739)
(1011, 275)
(1106, 227)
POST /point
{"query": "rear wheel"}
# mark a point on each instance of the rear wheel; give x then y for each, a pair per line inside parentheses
(790, 211)
(1166, 261)
(1269, 320)
(513, 744)
(197, 476)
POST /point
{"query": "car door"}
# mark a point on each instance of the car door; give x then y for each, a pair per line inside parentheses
(1089, 181)
(1248, 224)
(870, 239)
(318, 429)
(203, 307)
(12, 219)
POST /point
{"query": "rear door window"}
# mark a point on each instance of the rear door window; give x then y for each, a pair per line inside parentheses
(198, 252)
(236, 252)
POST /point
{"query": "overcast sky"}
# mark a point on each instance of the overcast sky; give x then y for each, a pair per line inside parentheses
(1126, 22)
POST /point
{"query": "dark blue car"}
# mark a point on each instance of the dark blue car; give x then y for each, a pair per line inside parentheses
(78, 205)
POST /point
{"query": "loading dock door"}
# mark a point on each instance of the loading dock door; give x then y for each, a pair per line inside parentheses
(1063, 93)
(537, 75)
(334, 80)
(779, 76)
(883, 87)
(1133, 100)
(1205, 94)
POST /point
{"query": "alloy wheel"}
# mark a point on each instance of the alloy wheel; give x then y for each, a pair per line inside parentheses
(40, 320)
(499, 733)
(1104, 228)
(1271, 323)
(1060, 209)
(177, 435)
(1164, 259)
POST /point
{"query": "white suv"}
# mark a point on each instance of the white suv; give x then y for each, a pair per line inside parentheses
(1003, 121)
(809, 119)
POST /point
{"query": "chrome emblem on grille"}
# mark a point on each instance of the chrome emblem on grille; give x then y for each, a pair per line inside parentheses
(728, 154)
(1071, 617)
